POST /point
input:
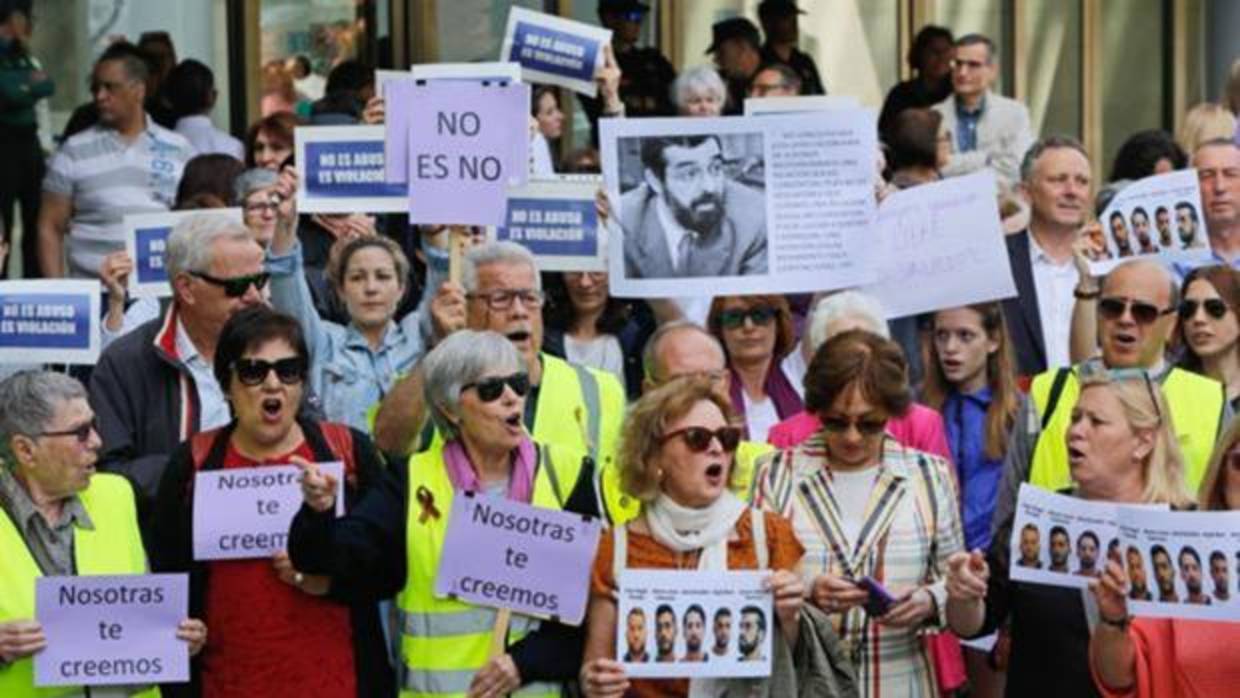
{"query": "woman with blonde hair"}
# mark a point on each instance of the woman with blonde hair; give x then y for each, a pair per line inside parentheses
(1121, 448)
(1204, 123)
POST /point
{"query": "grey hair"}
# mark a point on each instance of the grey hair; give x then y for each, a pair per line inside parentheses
(498, 252)
(1041, 146)
(252, 180)
(845, 304)
(190, 242)
(28, 404)
(460, 359)
(699, 78)
(650, 354)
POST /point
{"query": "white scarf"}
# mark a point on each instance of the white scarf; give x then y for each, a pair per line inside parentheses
(684, 529)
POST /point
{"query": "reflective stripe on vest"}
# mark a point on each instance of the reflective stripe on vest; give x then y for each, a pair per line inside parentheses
(113, 546)
(589, 395)
(1196, 404)
(444, 641)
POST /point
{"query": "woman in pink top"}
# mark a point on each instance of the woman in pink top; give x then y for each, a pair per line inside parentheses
(1170, 658)
(919, 427)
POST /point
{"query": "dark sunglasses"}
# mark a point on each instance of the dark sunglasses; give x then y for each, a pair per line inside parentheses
(235, 287)
(1143, 313)
(698, 438)
(290, 371)
(867, 427)
(1215, 308)
(761, 315)
(489, 389)
(81, 432)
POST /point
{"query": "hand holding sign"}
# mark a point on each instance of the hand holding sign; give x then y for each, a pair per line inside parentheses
(789, 593)
(608, 81)
(604, 678)
(1111, 591)
(20, 639)
(194, 633)
(318, 488)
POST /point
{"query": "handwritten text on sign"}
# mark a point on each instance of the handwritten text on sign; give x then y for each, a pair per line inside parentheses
(111, 630)
(510, 555)
(244, 513)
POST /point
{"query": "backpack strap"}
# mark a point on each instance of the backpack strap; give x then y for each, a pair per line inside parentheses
(619, 550)
(200, 447)
(759, 538)
(1052, 400)
(339, 439)
(590, 398)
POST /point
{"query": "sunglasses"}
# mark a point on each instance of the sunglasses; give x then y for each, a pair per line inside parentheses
(290, 371)
(81, 432)
(698, 438)
(866, 426)
(759, 316)
(235, 287)
(1143, 313)
(489, 389)
(1214, 307)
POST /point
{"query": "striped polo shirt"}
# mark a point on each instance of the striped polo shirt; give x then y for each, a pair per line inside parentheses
(107, 179)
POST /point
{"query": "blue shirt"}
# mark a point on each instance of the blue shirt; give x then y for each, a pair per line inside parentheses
(965, 419)
(966, 130)
(1181, 269)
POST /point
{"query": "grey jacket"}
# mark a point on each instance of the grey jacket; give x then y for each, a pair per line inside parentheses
(1003, 136)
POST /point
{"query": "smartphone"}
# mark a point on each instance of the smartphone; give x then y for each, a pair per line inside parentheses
(879, 601)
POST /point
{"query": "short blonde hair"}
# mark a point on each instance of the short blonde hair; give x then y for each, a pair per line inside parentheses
(1204, 123)
(1212, 494)
(1146, 408)
(646, 422)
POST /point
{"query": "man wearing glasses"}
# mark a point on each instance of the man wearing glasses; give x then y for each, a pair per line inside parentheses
(987, 129)
(687, 218)
(125, 163)
(568, 405)
(1137, 307)
(154, 386)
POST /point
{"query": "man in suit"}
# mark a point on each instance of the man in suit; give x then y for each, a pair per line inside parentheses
(985, 129)
(688, 219)
(1055, 179)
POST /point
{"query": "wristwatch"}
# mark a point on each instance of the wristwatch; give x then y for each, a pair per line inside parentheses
(1121, 623)
(1086, 294)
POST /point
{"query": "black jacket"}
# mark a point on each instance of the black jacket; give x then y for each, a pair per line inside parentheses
(1024, 324)
(170, 546)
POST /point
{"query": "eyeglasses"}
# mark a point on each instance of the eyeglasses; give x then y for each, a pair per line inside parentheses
(109, 87)
(1214, 307)
(262, 207)
(489, 389)
(691, 174)
(1143, 313)
(81, 432)
(237, 286)
(290, 371)
(866, 426)
(502, 300)
(698, 438)
(759, 316)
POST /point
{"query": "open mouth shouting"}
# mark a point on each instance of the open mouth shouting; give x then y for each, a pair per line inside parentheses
(272, 409)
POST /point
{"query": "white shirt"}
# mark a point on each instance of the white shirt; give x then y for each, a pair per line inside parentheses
(603, 352)
(213, 408)
(759, 417)
(1054, 284)
(794, 367)
(852, 493)
(206, 138)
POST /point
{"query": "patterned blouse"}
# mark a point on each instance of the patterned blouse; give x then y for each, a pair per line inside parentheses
(910, 527)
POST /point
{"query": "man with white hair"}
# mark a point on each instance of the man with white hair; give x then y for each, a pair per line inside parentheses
(154, 387)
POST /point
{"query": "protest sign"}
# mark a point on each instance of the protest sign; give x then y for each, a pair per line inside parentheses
(49, 321)
(756, 106)
(664, 617)
(942, 246)
(242, 513)
(1180, 563)
(557, 221)
(506, 554)
(1159, 216)
(1059, 540)
(109, 630)
(341, 170)
(398, 95)
(772, 204)
(146, 235)
(468, 143)
(554, 50)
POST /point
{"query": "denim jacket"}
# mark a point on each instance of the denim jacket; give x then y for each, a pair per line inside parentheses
(346, 375)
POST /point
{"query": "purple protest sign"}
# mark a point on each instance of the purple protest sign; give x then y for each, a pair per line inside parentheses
(397, 100)
(109, 630)
(468, 142)
(243, 513)
(506, 554)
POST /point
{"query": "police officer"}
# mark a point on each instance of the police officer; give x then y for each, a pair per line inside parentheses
(646, 75)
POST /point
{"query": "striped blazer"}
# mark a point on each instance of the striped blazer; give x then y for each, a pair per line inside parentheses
(911, 525)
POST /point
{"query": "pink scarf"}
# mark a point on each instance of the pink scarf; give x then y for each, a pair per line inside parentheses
(465, 478)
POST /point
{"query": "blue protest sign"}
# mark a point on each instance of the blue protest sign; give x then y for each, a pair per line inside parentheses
(49, 321)
(554, 50)
(342, 171)
(558, 222)
(146, 238)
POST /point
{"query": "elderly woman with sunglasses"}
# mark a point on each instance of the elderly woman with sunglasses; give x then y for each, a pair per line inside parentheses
(676, 456)
(1121, 448)
(756, 333)
(871, 512)
(1210, 326)
(1172, 657)
(475, 386)
(276, 630)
